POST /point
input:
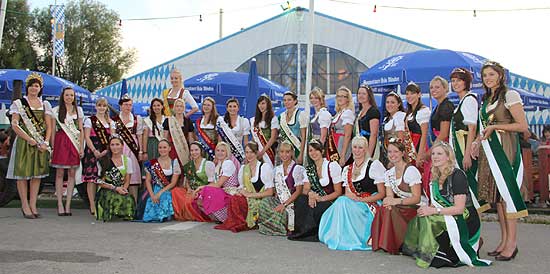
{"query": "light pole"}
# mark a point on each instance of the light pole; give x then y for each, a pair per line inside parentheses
(3, 8)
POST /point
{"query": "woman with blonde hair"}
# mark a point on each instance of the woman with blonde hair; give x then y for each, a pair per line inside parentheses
(321, 120)
(446, 232)
(341, 127)
(178, 92)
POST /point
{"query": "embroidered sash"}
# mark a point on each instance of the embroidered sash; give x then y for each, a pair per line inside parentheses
(179, 139)
(31, 122)
(157, 173)
(69, 127)
(464, 246)
(126, 135)
(227, 135)
(395, 185)
(100, 132)
(208, 145)
(253, 203)
(283, 192)
(286, 133)
(259, 138)
(113, 175)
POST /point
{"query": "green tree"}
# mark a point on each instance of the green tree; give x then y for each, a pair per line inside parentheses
(93, 55)
(17, 49)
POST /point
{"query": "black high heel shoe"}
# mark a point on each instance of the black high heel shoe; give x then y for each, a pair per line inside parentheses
(504, 258)
(493, 253)
(29, 216)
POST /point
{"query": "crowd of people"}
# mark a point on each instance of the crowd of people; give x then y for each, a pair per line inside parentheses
(408, 180)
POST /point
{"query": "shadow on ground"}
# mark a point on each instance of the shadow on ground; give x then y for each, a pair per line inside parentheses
(21, 256)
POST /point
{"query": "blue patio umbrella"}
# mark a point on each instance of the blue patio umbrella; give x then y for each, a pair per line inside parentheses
(253, 90)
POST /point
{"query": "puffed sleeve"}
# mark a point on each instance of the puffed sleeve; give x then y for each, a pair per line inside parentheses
(303, 119)
(512, 98)
(87, 122)
(209, 168)
(80, 112)
(275, 123)
(299, 174)
(324, 118)
(335, 172)
(48, 108)
(412, 176)
(188, 98)
(13, 108)
(423, 116)
(446, 111)
(240, 176)
(345, 176)
(267, 175)
(460, 182)
(387, 175)
(377, 171)
(245, 126)
(348, 117)
(469, 110)
(129, 166)
(228, 168)
(139, 128)
(176, 167)
(399, 120)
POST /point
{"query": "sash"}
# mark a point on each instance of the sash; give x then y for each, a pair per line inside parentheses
(126, 135)
(508, 177)
(372, 206)
(179, 139)
(283, 193)
(156, 171)
(253, 203)
(287, 134)
(395, 185)
(149, 124)
(259, 138)
(100, 132)
(331, 151)
(113, 175)
(227, 135)
(31, 122)
(207, 144)
(69, 128)
(311, 172)
(464, 246)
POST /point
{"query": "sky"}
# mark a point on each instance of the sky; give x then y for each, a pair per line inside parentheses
(519, 40)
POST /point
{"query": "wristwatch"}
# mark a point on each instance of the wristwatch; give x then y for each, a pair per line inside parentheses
(438, 210)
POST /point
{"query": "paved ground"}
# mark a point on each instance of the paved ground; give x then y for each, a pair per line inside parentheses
(78, 244)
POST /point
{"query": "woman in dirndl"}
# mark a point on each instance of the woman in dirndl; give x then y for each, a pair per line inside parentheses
(265, 129)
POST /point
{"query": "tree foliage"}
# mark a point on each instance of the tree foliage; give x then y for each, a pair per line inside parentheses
(17, 50)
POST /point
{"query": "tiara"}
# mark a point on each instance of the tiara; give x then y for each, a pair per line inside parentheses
(394, 140)
(492, 63)
(458, 70)
(125, 97)
(315, 141)
(35, 76)
(394, 93)
(264, 95)
(289, 93)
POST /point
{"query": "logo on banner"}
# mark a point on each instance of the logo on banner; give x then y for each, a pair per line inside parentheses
(392, 62)
(207, 77)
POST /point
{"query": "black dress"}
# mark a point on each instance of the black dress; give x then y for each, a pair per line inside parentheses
(442, 113)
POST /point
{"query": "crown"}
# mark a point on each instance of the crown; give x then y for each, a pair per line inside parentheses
(35, 76)
(126, 96)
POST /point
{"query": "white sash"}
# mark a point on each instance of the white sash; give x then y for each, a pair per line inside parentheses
(231, 137)
(29, 125)
(283, 193)
(69, 128)
(284, 126)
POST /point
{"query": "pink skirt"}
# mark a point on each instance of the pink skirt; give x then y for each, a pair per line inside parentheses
(65, 155)
(214, 202)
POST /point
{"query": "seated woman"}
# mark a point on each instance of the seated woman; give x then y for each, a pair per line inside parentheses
(213, 199)
(404, 181)
(198, 172)
(346, 225)
(161, 176)
(255, 184)
(322, 186)
(446, 233)
(112, 199)
(277, 215)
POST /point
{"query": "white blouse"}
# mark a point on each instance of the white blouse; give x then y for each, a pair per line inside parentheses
(469, 110)
(376, 172)
(130, 124)
(88, 124)
(411, 176)
(187, 97)
(398, 120)
(204, 125)
(261, 124)
(323, 117)
(55, 111)
(209, 168)
(302, 118)
(335, 172)
(45, 105)
(299, 173)
(267, 175)
(511, 98)
(345, 117)
(242, 128)
(422, 116)
(227, 169)
(149, 124)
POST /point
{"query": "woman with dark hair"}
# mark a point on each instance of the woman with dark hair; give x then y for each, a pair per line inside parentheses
(198, 172)
(177, 91)
(255, 185)
(446, 232)
(206, 129)
(97, 132)
(68, 148)
(394, 127)
(502, 118)
(321, 186)
(152, 130)
(265, 129)
(418, 118)
(113, 198)
(179, 131)
(368, 120)
(403, 194)
(33, 129)
(162, 174)
(293, 123)
(233, 129)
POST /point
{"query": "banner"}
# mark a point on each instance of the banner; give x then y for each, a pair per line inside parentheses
(58, 29)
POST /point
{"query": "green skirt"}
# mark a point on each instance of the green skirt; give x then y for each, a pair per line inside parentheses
(27, 162)
(271, 222)
(110, 204)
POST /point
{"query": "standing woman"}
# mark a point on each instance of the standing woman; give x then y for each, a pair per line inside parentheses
(342, 123)
(97, 132)
(233, 128)
(179, 131)
(197, 173)
(113, 198)
(177, 92)
(502, 118)
(33, 129)
(322, 186)
(346, 225)
(265, 129)
(368, 120)
(403, 193)
(464, 129)
(277, 215)
(152, 130)
(130, 128)
(394, 127)
(68, 146)
(161, 177)
(321, 120)
(442, 114)
(207, 135)
(255, 185)
(445, 233)
(293, 123)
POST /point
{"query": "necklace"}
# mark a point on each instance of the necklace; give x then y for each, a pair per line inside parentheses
(357, 169)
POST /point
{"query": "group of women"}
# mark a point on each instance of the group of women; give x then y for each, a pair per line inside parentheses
(414, 185)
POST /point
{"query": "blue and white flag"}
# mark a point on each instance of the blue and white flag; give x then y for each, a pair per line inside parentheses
(58, 29)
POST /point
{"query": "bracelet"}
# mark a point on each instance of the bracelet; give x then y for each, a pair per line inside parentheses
(475, 142)
(114, 189)
(141, 152)
(401, 203)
